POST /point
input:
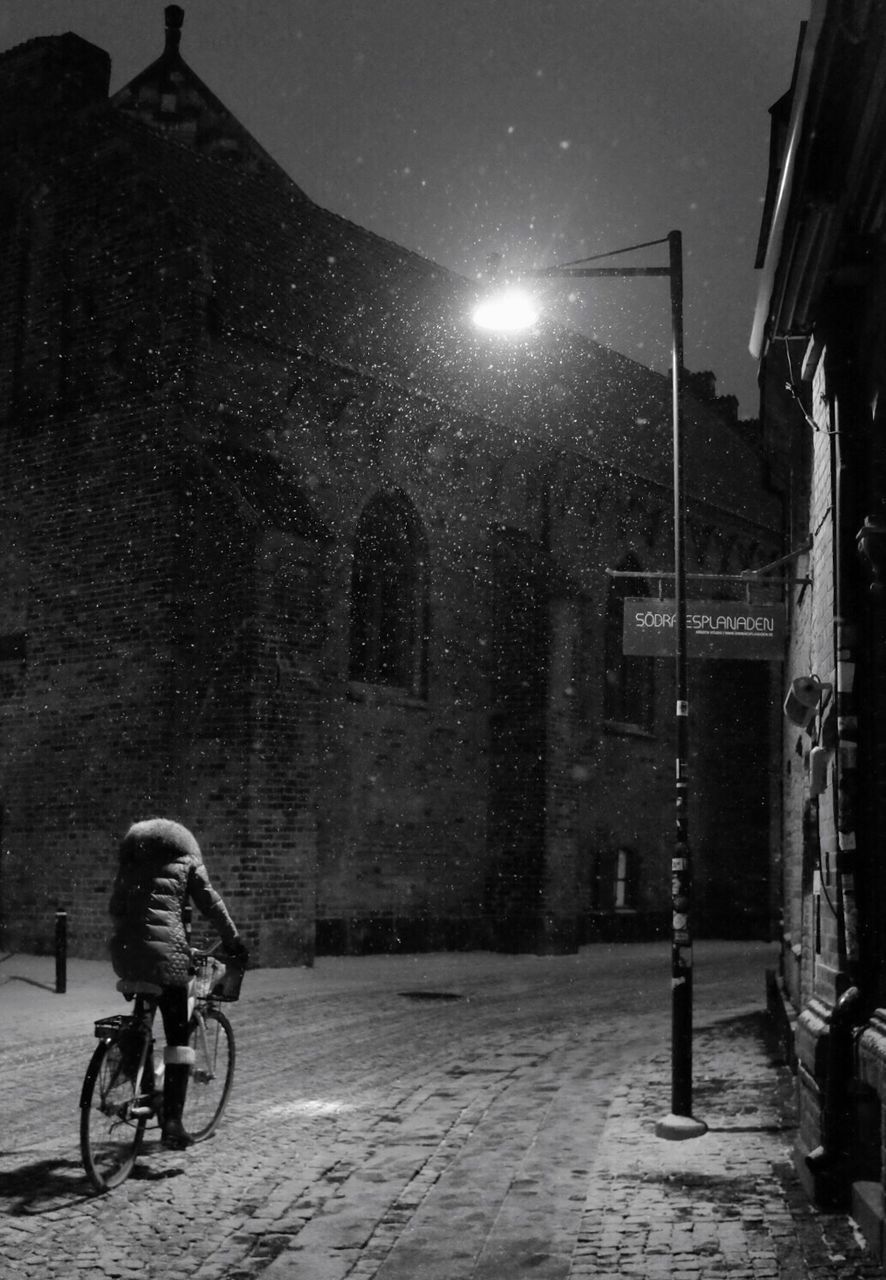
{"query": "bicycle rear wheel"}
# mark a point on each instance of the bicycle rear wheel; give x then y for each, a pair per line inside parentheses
(110, 1136)
(212, 1073)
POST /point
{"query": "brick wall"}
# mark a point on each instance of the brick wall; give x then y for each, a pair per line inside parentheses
(87, 736)
(205, 380)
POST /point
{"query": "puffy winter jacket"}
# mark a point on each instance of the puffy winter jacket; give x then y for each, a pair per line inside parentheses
(161, 869)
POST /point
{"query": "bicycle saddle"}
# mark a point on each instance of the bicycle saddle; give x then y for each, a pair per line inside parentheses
(130, 989)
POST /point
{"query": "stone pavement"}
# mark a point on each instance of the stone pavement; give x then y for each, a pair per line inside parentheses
(498, 1123)
(726, 1204)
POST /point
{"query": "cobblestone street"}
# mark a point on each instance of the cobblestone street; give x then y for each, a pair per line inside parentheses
(448, 1117)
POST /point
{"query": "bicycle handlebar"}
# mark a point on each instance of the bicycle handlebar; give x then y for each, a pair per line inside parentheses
(203, 953)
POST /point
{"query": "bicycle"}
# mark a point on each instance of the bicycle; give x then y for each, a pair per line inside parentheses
(122, 1093)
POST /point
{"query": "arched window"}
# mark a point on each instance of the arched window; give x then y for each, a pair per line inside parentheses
(628, 696)
(389, 598)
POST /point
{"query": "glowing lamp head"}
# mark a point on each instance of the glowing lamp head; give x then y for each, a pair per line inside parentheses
(511, 311)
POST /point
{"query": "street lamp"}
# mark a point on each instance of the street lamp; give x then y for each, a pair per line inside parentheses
(507, 312)
(513, 311)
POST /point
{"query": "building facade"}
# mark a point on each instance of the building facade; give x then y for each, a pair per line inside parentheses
(293, 555)
(820, 332)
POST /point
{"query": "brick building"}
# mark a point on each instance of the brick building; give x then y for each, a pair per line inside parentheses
(292, 554)
(820, 331)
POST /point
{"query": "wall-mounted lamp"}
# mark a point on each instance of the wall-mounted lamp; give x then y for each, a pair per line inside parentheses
(802, 700)
(871, 540)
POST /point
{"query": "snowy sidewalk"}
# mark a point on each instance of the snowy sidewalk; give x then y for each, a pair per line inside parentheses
(725, 1204)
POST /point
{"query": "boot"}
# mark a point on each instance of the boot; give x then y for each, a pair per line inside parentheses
(175, 1089)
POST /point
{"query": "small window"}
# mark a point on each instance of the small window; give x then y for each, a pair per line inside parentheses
(630, 680)
(624, 880)
(389, 605)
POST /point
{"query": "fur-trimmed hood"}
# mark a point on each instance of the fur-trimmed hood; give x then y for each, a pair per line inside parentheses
(160, 870)
(160, 837)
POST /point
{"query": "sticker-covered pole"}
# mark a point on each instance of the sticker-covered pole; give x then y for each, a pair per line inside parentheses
(680, 1123)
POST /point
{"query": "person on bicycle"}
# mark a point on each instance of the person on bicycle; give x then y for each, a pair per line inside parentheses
(160, 870)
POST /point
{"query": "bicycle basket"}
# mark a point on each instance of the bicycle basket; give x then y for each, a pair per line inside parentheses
(111, 1026)
(208, 975)
(231, 981)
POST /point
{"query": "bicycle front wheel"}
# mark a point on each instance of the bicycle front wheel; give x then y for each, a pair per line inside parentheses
(110, 1136)
(212, 1073)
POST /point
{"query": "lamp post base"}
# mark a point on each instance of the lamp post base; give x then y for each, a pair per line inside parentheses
(676, 1128)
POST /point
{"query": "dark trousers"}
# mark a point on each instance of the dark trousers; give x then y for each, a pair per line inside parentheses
(173, 1006)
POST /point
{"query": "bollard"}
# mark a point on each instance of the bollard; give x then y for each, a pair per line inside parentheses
(61, 952)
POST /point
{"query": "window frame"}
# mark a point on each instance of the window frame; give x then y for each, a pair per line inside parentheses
(388, 600)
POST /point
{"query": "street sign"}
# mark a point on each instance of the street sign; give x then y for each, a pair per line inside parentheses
(714, 629)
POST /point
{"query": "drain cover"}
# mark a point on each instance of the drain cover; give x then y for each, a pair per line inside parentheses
(430, 995)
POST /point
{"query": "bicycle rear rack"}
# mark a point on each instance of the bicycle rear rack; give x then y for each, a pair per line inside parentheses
(110, 1026)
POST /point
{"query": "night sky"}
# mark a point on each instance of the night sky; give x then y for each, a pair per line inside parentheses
(544, 130)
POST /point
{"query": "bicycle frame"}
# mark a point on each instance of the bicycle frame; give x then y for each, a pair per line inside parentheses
(115, 1104)
(205, 1053)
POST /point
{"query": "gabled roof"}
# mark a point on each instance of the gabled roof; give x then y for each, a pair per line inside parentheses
(171, 98)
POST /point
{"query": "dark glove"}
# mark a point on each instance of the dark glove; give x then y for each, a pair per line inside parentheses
(236, 950)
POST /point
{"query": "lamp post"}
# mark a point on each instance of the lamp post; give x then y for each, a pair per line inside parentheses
(680, 1123)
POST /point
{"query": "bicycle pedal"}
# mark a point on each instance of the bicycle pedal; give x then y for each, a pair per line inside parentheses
(145, 1111)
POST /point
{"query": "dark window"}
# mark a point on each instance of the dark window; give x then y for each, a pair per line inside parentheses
(389, 609)
(625, 879)
(630, 681)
